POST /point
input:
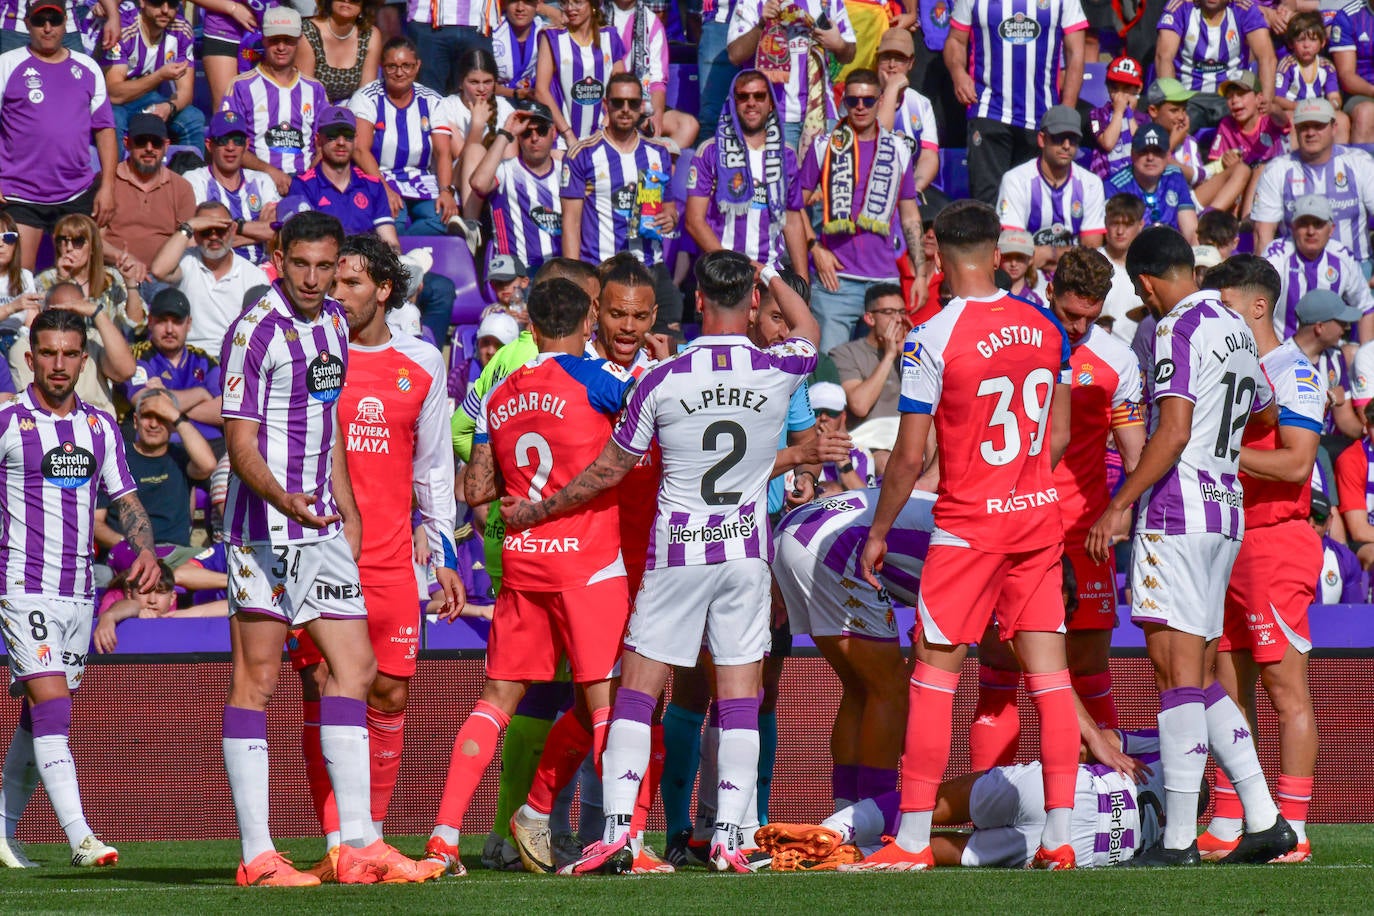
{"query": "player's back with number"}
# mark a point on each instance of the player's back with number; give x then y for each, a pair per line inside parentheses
(987, 369)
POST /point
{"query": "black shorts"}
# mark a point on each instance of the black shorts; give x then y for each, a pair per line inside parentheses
(218, 47)
(782, 641)
(45, 216)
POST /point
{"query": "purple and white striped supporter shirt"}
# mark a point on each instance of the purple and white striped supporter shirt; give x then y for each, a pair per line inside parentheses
(1205, 353)
(1290, 83)
(1333, 269)
(255, 191)
(791, 99)
(754, 233)
(516, 60)
(285, 373)
(1346, 179)
(527, 213)
(1052, 215)
(1014, 53)
(915, 121)
(655, 65)
(834, 531)
(141, 59)
(280, 119)
(1209, 55)
(1332, 368)
(1352, 30)
(474, 14)
(608, 182)
(50, 468)
(580, 75)
(400, 137)
(717, 410)
(47, 114)
(227, 28)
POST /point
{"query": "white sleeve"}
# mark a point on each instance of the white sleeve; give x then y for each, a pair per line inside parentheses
(1268, 205)
(434, 470)
(1094, 204)
(1354, 289)
(922, 370)
(1072, 15)
(1013, 200)
(362, 104)
(962, 14)
(744, 18)
(1362, 374)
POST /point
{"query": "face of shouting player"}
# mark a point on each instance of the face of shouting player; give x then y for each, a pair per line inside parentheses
(625, 315)
(363, 300)
(307, 271)
(56, 361)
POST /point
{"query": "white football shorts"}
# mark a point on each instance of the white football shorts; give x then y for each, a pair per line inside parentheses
(296, 583)
(730, 603)
(46, 636)
(1179, 580)
(822, 602)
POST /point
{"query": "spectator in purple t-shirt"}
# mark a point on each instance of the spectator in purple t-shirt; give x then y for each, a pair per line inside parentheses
(52, 101)
(336, 186)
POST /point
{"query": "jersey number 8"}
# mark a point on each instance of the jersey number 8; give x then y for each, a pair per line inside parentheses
(1035, 403)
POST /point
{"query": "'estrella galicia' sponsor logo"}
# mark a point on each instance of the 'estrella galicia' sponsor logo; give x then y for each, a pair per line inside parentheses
(547, 220)
(324, 378)
(1019, 29)
(68, 466)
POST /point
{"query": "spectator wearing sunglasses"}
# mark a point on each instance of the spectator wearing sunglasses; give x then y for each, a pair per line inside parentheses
(870, 367)
(52, 102)
(250, 196)
(80, 255)
(337, 187)
(152, 69)
(151, 200)
(526, 212)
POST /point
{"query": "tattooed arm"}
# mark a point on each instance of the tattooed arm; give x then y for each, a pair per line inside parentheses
(480, 480)
(913, 231)
(138, 531)
(609, 468)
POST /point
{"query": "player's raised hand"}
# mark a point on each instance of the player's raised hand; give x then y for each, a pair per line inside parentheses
(1114, 526)
(871, 561)
(454, 596)
(299, 507)
(520, 514)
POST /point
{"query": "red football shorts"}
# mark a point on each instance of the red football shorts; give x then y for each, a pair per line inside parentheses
(1096, 592)
(1272, 584)
(302, 651)
(393, 625)
(531, 631)
(961, 588)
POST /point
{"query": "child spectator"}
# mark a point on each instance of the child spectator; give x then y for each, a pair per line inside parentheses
(1114, 124)
(1018, 250)
(1306, 73)
(1219, 229)
(1245, 133)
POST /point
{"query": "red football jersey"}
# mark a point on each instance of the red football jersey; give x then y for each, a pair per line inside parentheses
(1301, 395)
(987, 370)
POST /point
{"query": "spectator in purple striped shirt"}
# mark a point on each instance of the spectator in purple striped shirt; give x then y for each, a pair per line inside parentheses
(153, 69)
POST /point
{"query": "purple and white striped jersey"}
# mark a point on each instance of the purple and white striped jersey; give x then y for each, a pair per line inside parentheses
(580, 75)
(1127, 820)
(141, 59)
(652, 69)
(474, 14)
(516, 60)
(1290, 83)
(400, 137)
(1333, 269)
(836, 528)
(47, 114)
(1052, 215)
(227, 28)
(1014, 53)
(1205, 353)
(50, 468)
(791, 99)
(754, 233)
(916, 122)
(1346, 179)
(1352, 29)
(1334, 372)
(609, 182)
(527, 213)
(1208, 55)
(255, 191)
(281, 119)
(717, 410)
(286, 374)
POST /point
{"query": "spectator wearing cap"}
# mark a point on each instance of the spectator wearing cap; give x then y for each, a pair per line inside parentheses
(1208, 42)
(1308, 260)
(509, 280)
(152, 69)
(1125, 220)
(1166, 103)
(495, 331)
(1055, 199)
(1005, 60)
(336, 186)
(903, 110)
(1324, 319)
(1114, 124)
(864, 187)
(198, 260)
(445, 30)
(1158, 183)
(393, 115)
(743, 191)
(1205, 257)
(14, 32)
(249, 196)
(1343, 175)
(870, 367)
(1342, 579)
(1245, 134)
(279, 105)
(929, 276)
(1352, 53)
(856, 472)
(165, 360)
(151, 200)
(523, 191)
(1018, 252)
(52, 103)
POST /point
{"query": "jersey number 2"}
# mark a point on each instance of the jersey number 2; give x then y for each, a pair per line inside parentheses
(710, 442)
(1035, 403)
(533, 443)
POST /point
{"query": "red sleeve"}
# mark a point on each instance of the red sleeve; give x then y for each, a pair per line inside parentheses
(1352, 474)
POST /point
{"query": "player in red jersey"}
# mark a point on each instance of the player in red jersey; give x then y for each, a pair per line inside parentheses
(563, 588)
(394, 414)
(1105, 402)
(991, 372)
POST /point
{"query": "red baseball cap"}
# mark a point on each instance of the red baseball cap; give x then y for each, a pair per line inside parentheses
(1125, 70)
(38, 5)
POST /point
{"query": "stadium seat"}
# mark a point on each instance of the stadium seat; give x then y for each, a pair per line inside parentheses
(452, 259)
(1094, 92)
(684, 91)
(953, 178)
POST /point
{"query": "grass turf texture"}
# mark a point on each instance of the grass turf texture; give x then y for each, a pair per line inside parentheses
(199, 878)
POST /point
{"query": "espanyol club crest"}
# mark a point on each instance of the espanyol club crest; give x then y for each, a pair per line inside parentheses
(403, 380)
(1085, 375)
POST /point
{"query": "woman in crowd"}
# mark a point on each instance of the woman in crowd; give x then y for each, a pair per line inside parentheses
(227, 24)
(81, 260)
(342, 48)
(574, 64)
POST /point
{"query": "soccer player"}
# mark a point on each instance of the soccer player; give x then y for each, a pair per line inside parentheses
(1207, 382)
(1267, 636)
(563, 582)
(395, 409)
(1105, 402)
(717, 410)
(991, 372)
(55, 453)
(294, 552)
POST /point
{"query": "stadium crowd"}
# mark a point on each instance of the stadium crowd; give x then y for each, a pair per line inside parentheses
(751, 247)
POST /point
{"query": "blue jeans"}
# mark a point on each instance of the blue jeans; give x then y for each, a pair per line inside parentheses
(422, 218)
(715, 73)
(838, 312)
(186, 129)
(436, 305)
(439, 48)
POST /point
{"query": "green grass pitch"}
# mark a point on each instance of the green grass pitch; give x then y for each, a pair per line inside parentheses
(199, 878)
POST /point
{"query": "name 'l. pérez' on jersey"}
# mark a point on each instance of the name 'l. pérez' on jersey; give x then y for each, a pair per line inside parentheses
(721, 396)
(1009, 335)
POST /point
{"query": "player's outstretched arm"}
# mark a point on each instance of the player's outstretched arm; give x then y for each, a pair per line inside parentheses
(138, 531)
(903, 467)
(609, 468)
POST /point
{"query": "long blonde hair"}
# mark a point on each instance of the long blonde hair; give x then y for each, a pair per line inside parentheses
(72, 223)
(14, 271)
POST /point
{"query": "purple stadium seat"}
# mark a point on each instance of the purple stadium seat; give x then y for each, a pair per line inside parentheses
(953, 178)
(684, 91)
(452, 259)
(1094, 92)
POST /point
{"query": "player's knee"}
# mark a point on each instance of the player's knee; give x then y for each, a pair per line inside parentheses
(503, 695)
(252, 686)
(388, 694)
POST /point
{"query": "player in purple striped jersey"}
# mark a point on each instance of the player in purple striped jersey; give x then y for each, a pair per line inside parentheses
(526, 210)
(615, 186)
(1205, 43)
(1207, 382)
(294, 535)
(55, 453)
(717, 411)
(1309, 260)
(278, 103)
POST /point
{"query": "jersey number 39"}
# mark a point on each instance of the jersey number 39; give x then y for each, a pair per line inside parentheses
(1036, 390)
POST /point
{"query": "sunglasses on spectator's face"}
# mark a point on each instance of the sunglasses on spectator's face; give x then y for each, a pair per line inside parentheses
(336, 134)
(232, 140)
(541, 128)
(9, 238)
(155, 3)
(828, 414)
(137, 142)
(760, 96)
(860, 101)
(75, 241)
(632, 104)
(47, 18)
(1061, 139)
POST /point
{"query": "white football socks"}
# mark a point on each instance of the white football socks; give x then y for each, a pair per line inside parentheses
(1183, 754)
(1228, 735)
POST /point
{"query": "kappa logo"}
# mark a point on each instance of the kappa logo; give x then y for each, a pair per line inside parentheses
(1154, 538)
(1239, 734)
(1198, 748)
(1150, 582)
(1148, 604)
(630, 775)
(1151, 559)
(852, 602)
(726, 785)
